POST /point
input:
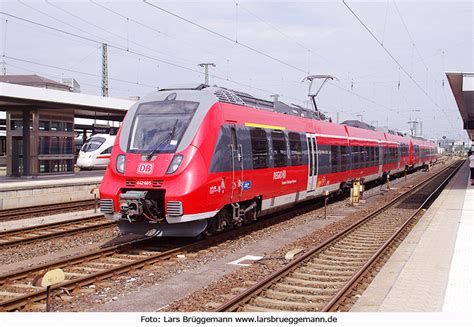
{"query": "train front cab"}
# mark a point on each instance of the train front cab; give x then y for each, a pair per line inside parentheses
(157, 174)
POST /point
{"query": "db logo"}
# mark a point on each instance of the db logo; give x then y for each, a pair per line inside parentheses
(145, 168)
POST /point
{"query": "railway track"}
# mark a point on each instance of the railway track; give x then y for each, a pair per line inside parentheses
(324, 277)
(17, 292)
(53, 230)
(26, 212)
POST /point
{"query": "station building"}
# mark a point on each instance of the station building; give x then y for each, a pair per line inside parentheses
(48, 108)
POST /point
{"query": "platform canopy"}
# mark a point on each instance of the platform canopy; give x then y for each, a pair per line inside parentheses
(462, 85)
(18, 97)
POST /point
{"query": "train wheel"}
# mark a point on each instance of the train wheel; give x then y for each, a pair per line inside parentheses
(250, 216)
(225, 220)
(211, 228)
(219, 223)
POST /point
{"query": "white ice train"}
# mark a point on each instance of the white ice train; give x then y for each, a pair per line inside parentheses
(95, 153)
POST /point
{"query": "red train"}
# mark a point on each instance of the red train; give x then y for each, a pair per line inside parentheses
(204, 159)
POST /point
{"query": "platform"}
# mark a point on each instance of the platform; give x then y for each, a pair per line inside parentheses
(432, 268)
(25, 192)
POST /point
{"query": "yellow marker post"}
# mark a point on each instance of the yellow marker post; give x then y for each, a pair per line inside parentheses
(356, 191)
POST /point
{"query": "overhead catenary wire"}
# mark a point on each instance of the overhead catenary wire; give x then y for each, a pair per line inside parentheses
(190, 69)
(250, 86)
(47, 75)
(226, 37)
(138, 54)
(410, 37)
(78, 72)
(396, 61)
(58, 20)
(80, 61)
(115, 34)
(151, 28)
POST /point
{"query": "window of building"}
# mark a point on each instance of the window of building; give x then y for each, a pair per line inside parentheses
(55, 126)
(259, 142)
(43, 125)
(44, 145)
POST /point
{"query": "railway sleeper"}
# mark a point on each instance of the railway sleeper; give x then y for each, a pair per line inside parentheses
(74, 274)
(370, 234)
(315, 269)
(123, 260)
(103, 264)
(253, 308)
(344, 257)
(88, 268)
(288, 288)
(310, 283)
(284, 305)
(295, 297)
(356, 254)
(334, 266)
(308, 279)
(358, 240)
(5, 294)
(355, 249)
(27, 286)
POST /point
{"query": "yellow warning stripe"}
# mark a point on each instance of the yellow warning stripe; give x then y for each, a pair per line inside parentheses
(265, 126)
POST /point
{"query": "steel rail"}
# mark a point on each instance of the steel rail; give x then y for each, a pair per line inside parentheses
(24, 299)
(21, 236)
(235, 302)
(11, 214)
(333, 304)
(21, 301)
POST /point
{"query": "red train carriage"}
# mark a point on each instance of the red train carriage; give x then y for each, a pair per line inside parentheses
(423, 152)
(204, 159)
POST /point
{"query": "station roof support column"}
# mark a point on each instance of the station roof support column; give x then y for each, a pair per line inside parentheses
(26, 143)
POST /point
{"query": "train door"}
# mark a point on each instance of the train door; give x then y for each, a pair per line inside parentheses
(237, 165)
(312, 161)
(380, 150)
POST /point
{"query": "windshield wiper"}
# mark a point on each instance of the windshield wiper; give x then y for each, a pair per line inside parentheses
(165, 139)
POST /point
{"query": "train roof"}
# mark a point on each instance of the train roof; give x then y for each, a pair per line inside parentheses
(245, 99)
(231, 96)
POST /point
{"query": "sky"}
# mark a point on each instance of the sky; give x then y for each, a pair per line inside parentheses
(389, 62)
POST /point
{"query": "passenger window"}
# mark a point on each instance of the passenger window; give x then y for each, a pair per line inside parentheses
(259, 142)
(335, 158)
(296, 152)
(107, 151)
(355, 157)
(345, 161)
(279, 149)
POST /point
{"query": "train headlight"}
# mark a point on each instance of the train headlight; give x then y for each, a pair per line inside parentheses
(174, 165)
(120, 164)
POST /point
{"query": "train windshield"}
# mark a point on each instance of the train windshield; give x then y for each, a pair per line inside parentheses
(159, 126)
(93, 144)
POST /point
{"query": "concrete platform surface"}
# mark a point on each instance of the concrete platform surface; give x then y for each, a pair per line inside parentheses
(432, 268)
(20, 192)
(15, 183)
